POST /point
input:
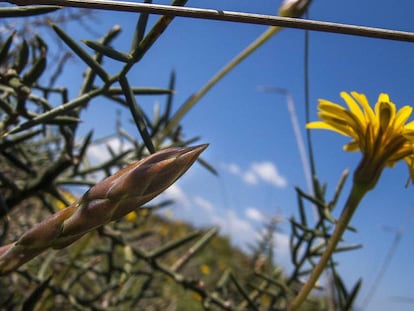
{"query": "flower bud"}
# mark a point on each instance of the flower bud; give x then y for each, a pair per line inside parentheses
(108, 200)
(293, 8)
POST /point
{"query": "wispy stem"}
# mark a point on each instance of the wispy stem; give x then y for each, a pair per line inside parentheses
(219, 75)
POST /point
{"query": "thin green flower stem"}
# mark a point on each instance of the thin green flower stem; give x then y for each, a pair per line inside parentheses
(307, 109)
(357, 193)
(270, 32)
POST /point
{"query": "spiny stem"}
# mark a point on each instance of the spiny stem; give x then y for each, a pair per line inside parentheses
(356, 195)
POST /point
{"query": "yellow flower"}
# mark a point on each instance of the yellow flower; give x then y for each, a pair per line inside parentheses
(382, 135)
(67, 195)
(131, 216)
(205, 270)
(197, 297)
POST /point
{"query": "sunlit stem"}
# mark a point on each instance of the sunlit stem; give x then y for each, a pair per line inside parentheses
(219, 75)
(357, 193)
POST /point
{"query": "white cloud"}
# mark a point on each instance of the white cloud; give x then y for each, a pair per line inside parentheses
(282, 244)
(203, 212)
(175, 193)
(264, 171)
(243, 229)
(254, 214)
(250, 178)
(268, 172)
(238, 225)
(233, 168)
(99, 152)
(282, 250)
(204, 204)
(240, 230)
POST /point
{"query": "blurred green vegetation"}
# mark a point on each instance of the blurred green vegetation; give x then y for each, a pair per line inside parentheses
(99, 272)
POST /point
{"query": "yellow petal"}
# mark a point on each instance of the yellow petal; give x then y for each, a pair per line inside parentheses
(385, 111)
(332, 126)
(409, 135)
(353, 106)
(329, 106)
(402, 116)
(369, 113)
(352, 146)
(410, 125)
(343, 120)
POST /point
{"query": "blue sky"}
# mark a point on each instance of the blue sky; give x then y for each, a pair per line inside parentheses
(252, 144)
